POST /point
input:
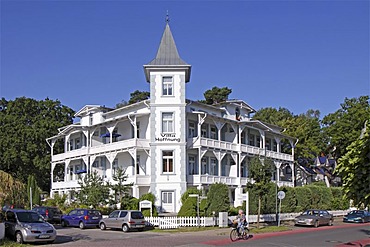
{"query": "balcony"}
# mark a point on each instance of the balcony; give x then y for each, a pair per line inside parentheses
(280, 156)
(65, 185)
(104, 148)
(210, 179)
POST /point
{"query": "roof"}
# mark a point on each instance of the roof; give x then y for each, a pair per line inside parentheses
(87, 108)
(167, 56)
(238, 102)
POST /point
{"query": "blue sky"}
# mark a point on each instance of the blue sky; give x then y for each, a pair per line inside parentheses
(295, 54)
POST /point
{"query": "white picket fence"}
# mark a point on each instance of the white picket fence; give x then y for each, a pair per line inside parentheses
(176, 222)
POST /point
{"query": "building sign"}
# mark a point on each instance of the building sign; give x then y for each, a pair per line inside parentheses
(165, 137)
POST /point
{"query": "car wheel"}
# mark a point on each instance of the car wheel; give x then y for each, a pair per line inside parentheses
(102, 226)
(330, 223)
(19, 238)
(125, 228)
(63, 223)
(81, 225)
(317, 223)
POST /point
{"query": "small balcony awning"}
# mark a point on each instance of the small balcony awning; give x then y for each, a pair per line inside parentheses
(80, 171)
(108, 135)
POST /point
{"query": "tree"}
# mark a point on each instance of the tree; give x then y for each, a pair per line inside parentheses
(34, 189)
(138, 96)
(354, 167)
(261, 173)
(120, 188)
(25, 124)
(216, 95)
(189, 204)
(217, 199)
(273, 116)
(343, 127)
(94, 191)
(11, 190)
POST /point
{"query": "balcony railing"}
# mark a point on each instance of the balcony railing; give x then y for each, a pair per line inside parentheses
(229, 146)
(211, 179)
(104, 148)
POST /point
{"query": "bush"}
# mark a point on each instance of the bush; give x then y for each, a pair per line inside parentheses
(303, 198)
(217, 199)
(189, 208)
(149, 197)
(289, 203)
(339, 201)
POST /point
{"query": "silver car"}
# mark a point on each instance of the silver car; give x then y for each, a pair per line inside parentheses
(314, 217)
(124, 219)
(28, 226)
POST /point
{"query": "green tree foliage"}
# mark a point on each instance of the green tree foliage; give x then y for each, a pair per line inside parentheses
(216, 95)
(32, 186)
(188, 208)
(189, 191)
(217, 199)
(305, 127)
(354, 167)
(11, 190)
(119, 186)
(273, 116)
(261, 173)
(138, 96)
(25, 124)
(57, 201)
(94, 191)
(344, 126)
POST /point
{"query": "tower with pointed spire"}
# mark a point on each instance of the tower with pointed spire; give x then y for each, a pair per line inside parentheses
(167, 74)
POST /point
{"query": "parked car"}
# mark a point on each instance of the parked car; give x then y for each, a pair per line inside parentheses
(359, 216)
(28, 226)
(2, 227)
(50, 214)
(82, 218)
(124, 219)
(11, 206)
(314, 217)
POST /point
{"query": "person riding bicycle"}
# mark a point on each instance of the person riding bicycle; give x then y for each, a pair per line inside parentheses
(241, 220)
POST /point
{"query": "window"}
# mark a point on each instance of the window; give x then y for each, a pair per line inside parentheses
(78, 143)
(167, 197)
(213, 167)
(213, 132)
(167, 161)
(251, 140)
(192, 132)
(167, 86)
(167, 122)
(137, 164)
(205, 165)
(192, 165)
(137, 129)
(91, 119)
(204, 132)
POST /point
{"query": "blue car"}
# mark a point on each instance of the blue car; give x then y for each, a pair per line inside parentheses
(357, 216)
(82, 218)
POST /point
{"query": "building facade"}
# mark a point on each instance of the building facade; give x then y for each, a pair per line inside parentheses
(168, 143)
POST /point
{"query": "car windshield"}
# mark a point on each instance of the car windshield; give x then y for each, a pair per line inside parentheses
(311, 212)
(357, 212)
(29, 217)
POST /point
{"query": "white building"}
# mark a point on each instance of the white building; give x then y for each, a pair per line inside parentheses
(168, 143)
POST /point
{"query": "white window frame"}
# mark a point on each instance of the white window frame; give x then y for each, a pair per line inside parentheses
(167, 86)
(167, 123)
(166, 161)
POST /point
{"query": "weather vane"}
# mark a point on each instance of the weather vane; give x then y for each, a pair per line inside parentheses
(167, 18)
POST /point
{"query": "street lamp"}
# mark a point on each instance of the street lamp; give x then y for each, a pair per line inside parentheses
(198, 202)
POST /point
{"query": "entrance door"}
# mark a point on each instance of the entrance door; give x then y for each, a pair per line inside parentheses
(168, 201)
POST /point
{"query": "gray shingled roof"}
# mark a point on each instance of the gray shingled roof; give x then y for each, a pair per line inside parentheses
(167, 52)
(167, 57)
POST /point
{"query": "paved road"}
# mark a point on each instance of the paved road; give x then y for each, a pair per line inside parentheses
(302, 236)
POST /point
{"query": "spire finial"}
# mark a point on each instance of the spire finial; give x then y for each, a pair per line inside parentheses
(167, 18)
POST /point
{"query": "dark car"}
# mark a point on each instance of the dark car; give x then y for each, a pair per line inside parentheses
(82, 218)
(358, 216)
(314, 217)
(124, 219)
(50, 214)
(28, 226)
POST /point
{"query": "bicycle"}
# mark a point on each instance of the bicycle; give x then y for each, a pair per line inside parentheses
(242, 234)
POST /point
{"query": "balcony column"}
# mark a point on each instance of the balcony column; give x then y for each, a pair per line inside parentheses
(219, 126)
(263, 137)
(134, 125)
(277, 165)
(66, 173)
(66, 141)
(52, 172)
(278, 140)
(293, 175)
(200, 122)
(110, 129)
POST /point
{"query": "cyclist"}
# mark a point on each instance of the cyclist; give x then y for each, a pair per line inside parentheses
(241, 220)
